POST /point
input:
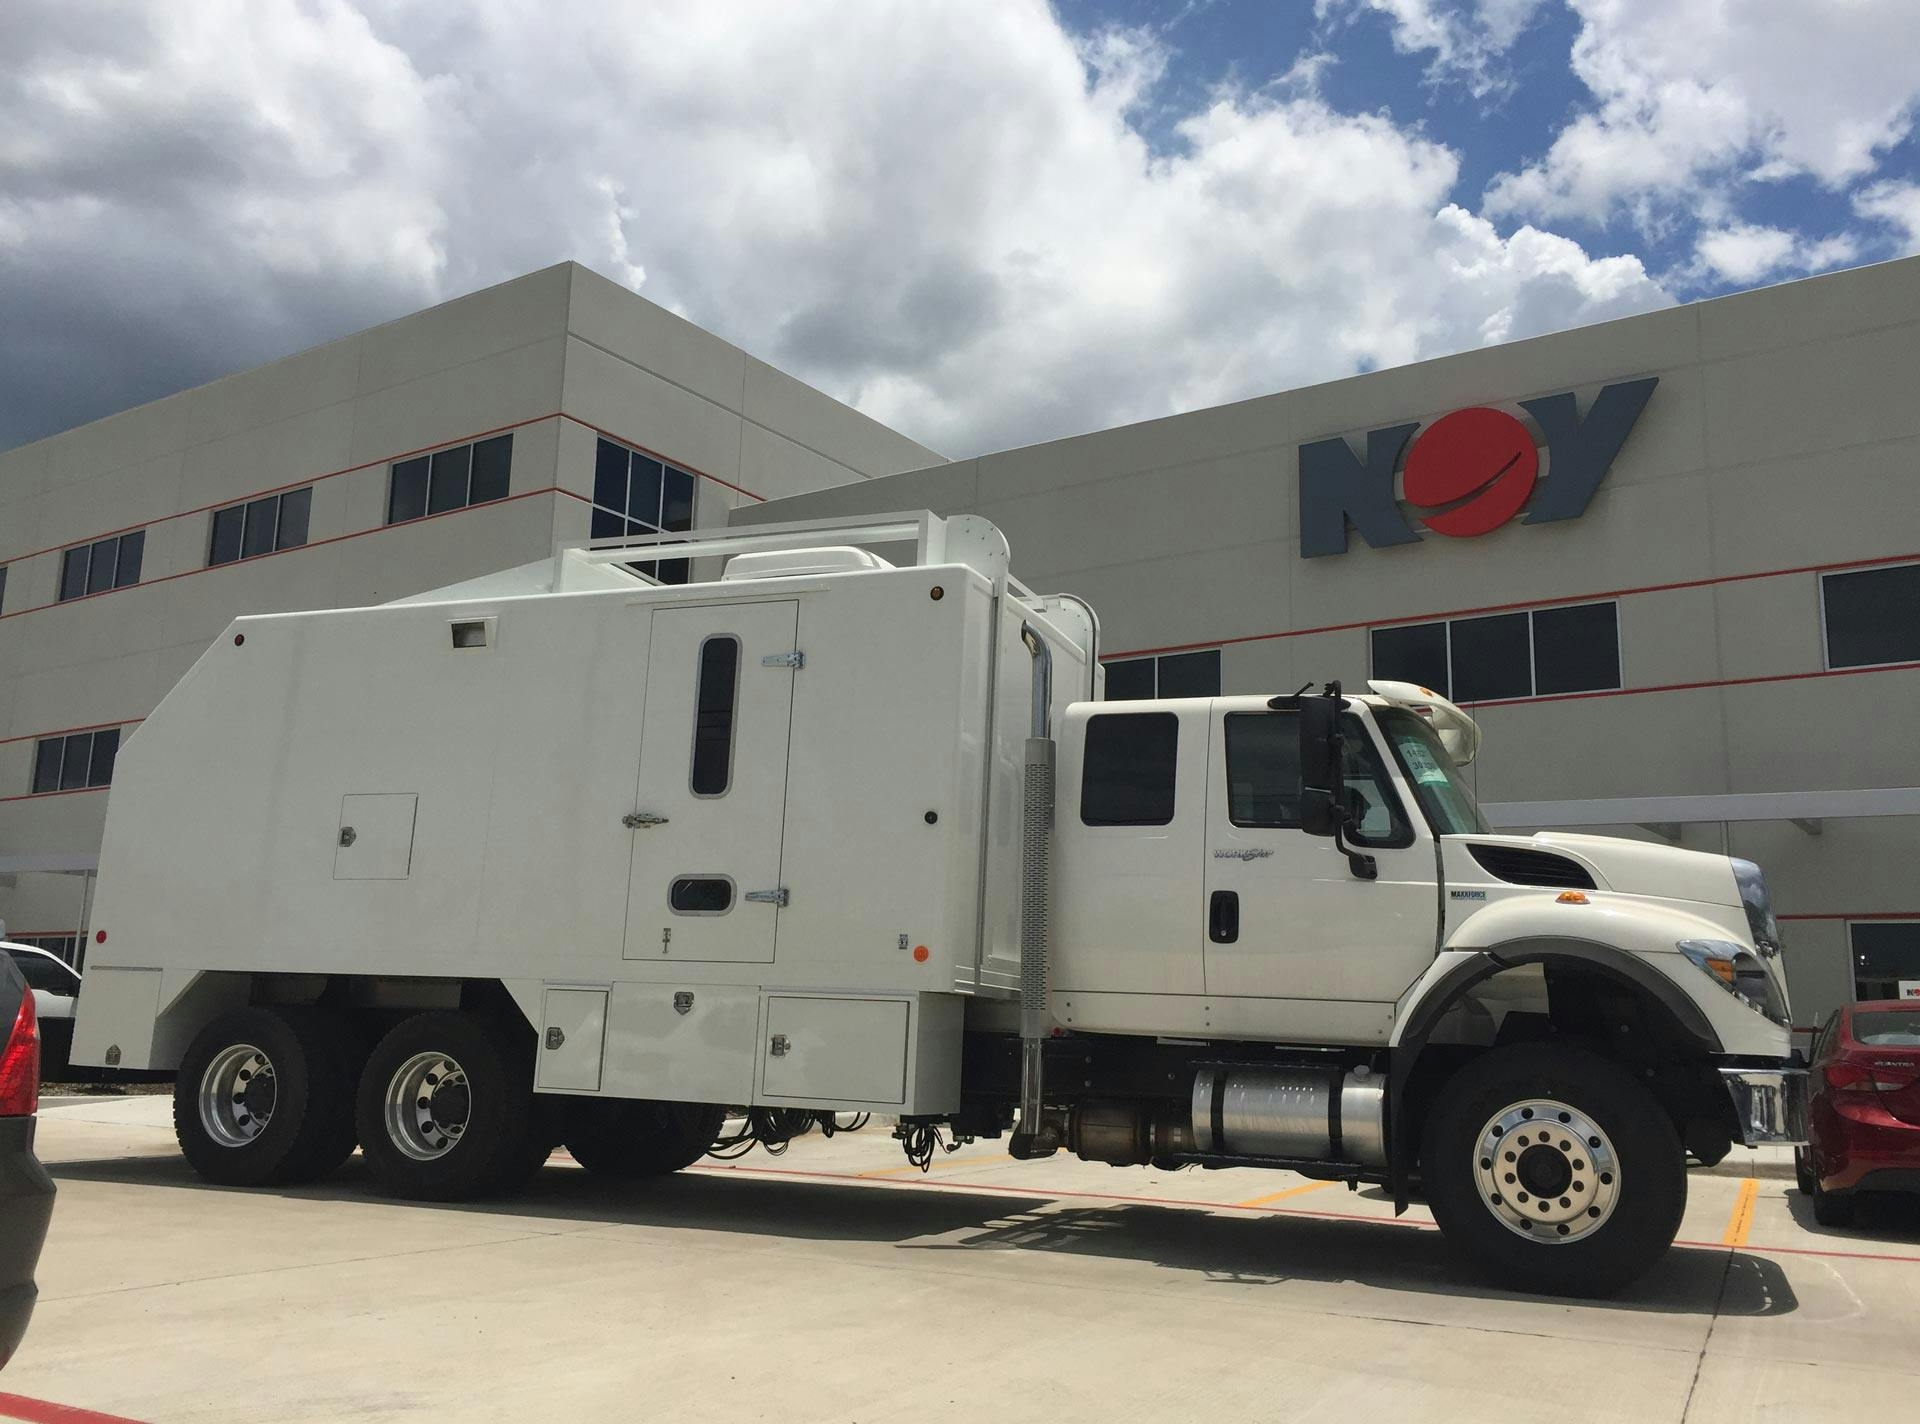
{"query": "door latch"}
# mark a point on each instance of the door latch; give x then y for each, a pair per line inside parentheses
(777, 1046)
(348, 836)
(794, 659)
(767, 897)
(683, 1002)
(555, 1037)
(641, 820)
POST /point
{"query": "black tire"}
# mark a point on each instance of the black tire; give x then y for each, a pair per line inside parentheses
(1804, 1175)
(1832, 1208)
(503, 1136)
(627, 1139)
(308, 1102)
(1647, 1190)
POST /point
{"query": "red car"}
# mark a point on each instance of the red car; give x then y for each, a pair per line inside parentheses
(1863, 1122)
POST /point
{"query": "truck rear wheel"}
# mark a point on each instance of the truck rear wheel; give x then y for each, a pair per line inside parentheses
(630, 1138)
(1554, 1170)
(447, 1110)
(265, 1096)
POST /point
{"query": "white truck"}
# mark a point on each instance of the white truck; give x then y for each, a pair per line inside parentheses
(565, 855)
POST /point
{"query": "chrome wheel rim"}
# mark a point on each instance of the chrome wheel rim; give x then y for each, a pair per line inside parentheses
(1546, 1171)
(237, 1095)
(428, 1106)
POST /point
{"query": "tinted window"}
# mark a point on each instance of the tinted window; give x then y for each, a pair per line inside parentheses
(1375, 807)
(223, 546)
(73, 573)
(447, 486)
(106, 748)
(1417, 654)
(46, 764)
(1263, 769)
(295, 506)
(492, 463)
(1131, 680)
(1128, 769)
(407, 495)
(3, 587)
(74, 760)
(1490, 658)
(610, 477)
(1885, 955)
(1890, 1028)
(676, 500)
(1873, 616)
(1190, 674)
(701, 895)
(44, 974)
(1576, 649)
(132, 548)
(713, 716)
(101, 564)
(263, 515)
(643, 492)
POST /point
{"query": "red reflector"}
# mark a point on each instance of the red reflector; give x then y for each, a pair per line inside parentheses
(99, 936)
(20, 1063)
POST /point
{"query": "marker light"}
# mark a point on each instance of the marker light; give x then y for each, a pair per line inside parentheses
(1571, 897)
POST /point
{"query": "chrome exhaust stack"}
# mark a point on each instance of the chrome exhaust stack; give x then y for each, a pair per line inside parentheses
(1036, 1137)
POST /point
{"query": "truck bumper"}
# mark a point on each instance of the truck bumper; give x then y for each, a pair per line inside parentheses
(1769, 1103)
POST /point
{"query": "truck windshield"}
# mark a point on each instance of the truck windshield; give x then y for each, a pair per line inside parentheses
(1443, 792)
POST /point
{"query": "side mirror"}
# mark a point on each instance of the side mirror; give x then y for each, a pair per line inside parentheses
(1319, 764)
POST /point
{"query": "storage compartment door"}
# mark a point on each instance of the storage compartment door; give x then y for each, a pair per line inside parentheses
(375, 841)
(836, 1050)
(571, 1039)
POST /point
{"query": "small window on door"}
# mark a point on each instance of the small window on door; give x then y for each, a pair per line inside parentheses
(701, 895)
(715, 699)
(1128, 769)
(1263, 769)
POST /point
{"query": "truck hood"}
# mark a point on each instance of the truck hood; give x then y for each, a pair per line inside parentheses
(1635, 867)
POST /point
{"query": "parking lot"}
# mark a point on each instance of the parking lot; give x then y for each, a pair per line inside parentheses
(834, 1283)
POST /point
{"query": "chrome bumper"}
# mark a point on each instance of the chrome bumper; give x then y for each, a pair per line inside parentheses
(1770, 1104)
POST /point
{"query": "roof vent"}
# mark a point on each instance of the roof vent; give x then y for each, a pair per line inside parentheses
(1519, 866)
(802, 563)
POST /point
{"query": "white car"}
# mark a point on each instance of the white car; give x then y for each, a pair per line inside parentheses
(56, 988)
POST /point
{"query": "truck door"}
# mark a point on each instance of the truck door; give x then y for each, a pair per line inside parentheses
(707, 823)
(1285, 918)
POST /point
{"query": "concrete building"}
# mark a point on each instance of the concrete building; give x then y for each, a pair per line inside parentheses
(1671, 562)
(1701, 622)
(461, 440)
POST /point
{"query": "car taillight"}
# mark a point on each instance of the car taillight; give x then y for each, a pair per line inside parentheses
(1854, 1076)
(20, 1063)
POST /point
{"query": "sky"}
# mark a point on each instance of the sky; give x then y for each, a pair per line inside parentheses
(984, 222)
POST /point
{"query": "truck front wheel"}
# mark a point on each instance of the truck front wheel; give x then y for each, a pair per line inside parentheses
(1553, 1170)
(629, 1139)
(447, 1109)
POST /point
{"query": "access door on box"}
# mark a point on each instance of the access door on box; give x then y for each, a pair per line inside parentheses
(708, 820)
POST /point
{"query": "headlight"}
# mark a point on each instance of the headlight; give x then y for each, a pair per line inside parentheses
(1758, 902)
(1738, 971)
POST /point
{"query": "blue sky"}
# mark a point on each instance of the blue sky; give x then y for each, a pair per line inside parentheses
(985, 222)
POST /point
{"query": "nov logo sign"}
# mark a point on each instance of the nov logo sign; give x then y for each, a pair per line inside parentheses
(1468, 472)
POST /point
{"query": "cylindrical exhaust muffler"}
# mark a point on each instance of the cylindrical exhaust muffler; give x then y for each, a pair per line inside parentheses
(1308, 1114)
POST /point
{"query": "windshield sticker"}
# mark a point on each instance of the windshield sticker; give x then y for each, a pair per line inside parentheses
(1420, 762)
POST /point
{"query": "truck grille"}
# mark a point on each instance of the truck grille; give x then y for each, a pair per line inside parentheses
(1519, 866)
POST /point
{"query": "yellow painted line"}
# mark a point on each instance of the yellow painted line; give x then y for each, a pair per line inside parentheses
(940, 1162)
(1741, 1221)
(1289, 1192)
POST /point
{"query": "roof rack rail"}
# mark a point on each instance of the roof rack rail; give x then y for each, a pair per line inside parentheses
(961, 539)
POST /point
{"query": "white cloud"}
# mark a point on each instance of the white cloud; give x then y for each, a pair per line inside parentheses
(941, 211)
(1464, 39)
(1697, 96)
(1897, 204)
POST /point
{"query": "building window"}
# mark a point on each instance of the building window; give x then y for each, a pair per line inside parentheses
(449, 479)
(101, 565)
(1872, 616)
(1168, 675)
(76, 761)
(1503, 656)
(635, 494)
(1128, 769)
(260, 526)
(3, 588)
(1886, 958)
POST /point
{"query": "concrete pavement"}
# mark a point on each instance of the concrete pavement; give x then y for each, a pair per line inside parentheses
(833, 1283)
